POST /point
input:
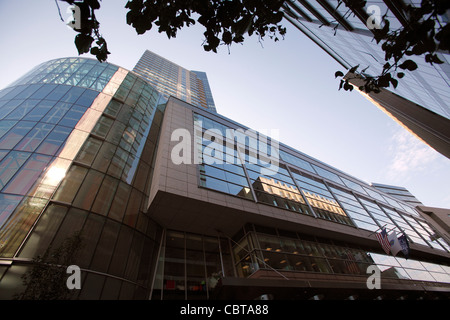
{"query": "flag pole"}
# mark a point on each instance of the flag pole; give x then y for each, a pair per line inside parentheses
(377, 230)
(382, 228)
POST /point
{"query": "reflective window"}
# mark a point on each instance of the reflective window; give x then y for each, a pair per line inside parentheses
(16, 134)
(10, 165)
(221, 169)
(328, 175)
(54, 140)
(8, 106)
(34, 138)
(28, 91)
(320, 198)
(73, 116)
(12, 92)
(87, 98)
(74, 72)
(405, 226)
(56, 112)
(193, 266)
(354, 209)
(69, 186)
(302, 164)
(8, 204)
(43, 91)
(73, 94)
(5, 126)
(353, 185)
(58, 92)
(282, 250)
(4, 93)
(27, 175)
(22, 110)
(40, 110)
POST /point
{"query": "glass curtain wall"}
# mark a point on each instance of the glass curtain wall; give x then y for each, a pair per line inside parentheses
(77, 153)
(192, 266)
(263, 248)
(302, 186)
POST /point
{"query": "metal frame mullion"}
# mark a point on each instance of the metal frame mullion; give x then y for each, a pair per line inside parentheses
(340, 204)
(365, 208)
(301, 192)
(245, 170)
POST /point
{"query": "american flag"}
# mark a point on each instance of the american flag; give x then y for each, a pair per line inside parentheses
(351, 264)
(382, 238)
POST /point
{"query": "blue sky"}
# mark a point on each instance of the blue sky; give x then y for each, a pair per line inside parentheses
(288, 86)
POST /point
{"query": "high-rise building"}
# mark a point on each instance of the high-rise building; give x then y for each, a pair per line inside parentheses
(421, 102)
(173, 201)
(173, 80)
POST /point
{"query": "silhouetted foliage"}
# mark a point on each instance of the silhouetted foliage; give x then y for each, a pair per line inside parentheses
(424, 31)
(225, 22)
(46, 280)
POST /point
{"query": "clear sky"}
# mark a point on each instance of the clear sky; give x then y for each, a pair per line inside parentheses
(287, 86)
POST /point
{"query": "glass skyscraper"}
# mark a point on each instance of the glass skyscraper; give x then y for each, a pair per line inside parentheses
(174, 201)
(421, 101)
(173, 80)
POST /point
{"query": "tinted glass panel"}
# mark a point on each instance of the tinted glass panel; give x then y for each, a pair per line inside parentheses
(16, 134)
(27, 175)
(40, 110)
(54, 140)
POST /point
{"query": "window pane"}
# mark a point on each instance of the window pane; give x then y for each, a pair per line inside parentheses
(88, 190)
(87, 98)
(105, 246)
(27, 175)
(70, 184)
(28, 91)
(121, 252)
(40, 110)
(73, 116)
(32, 140)
(216, 184)
(120, 202)
(7, 205)
(5, 126)
(11, 94)
(58, 92)
(10, 165)
(73, 94)
(4, 92)
(15, 134)
(105, 195)
(44, 231)
(89, 151)
(102, 127)
(22, 110)
(19, 224)
(43, 91)
(8, 107)
(104, 156)
(57, 112)
(54, 140)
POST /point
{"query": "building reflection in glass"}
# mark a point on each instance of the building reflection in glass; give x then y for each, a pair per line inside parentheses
(269, 249)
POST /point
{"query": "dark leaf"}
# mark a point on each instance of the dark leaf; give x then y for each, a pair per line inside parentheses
(394, 82)
(383, 81)
(338, 74)
(83, 42)
(408, 65)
